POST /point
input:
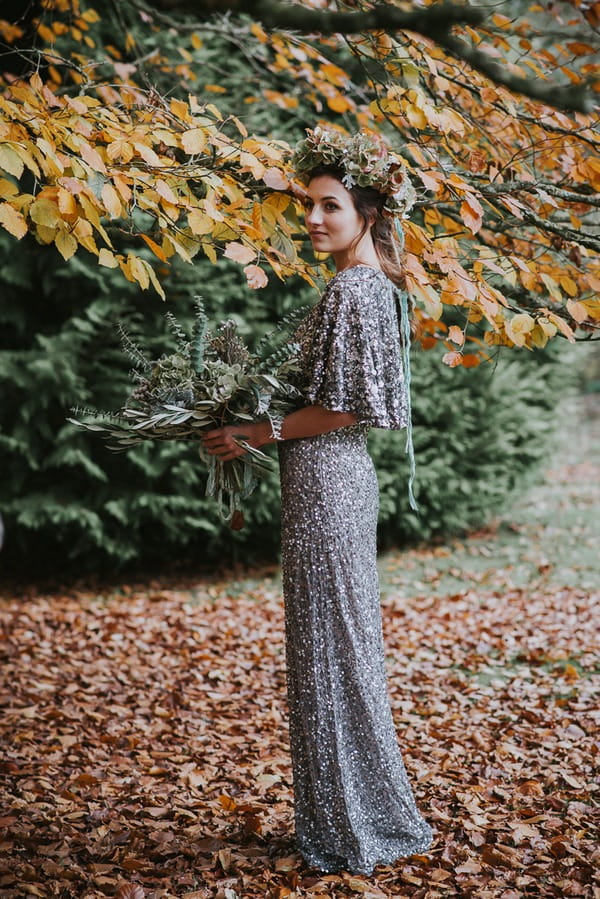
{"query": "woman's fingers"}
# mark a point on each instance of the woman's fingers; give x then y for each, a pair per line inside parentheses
(210, 437)
(220, 442)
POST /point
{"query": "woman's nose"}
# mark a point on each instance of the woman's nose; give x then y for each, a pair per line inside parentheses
(313, 216)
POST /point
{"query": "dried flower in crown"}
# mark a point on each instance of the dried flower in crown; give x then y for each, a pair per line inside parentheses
(365, 161)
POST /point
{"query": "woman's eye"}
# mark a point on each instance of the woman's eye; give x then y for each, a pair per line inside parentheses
(331, 207)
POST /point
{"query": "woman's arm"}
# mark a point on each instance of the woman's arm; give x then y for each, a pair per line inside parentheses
(307, 422)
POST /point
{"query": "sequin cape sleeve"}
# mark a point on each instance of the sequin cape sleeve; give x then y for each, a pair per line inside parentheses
(354, 363)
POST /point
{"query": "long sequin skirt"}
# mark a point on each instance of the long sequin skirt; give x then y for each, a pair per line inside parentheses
(354, 806)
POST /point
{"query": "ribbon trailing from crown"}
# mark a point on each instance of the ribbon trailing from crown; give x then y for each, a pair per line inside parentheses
(405, 336)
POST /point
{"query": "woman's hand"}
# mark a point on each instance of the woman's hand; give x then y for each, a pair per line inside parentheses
(221, 441)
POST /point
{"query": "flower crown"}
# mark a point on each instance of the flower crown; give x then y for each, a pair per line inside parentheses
(365, 161)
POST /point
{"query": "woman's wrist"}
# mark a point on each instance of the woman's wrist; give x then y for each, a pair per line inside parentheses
(262, 433)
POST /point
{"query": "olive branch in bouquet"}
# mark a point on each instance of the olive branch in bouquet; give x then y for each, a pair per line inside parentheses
(212, 379)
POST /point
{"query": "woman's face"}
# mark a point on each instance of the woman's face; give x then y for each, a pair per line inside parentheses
(331, 218)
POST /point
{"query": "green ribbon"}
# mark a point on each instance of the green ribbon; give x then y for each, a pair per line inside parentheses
(404, 323)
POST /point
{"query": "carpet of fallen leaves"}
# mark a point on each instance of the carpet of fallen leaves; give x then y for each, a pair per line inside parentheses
(145, 746)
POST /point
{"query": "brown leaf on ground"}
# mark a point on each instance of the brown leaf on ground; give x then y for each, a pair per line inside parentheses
(130, 891)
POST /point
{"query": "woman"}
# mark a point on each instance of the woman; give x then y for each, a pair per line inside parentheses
(354, 806)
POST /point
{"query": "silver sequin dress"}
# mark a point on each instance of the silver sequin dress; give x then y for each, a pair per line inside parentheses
(354, 806)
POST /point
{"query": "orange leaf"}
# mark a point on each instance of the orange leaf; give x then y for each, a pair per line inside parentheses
(515, 207)
(130, 891)
(255, 276)
(200, 222)
(560, 323)
(180, 110)
(165, 192)
(568, 285)
(456, 335)
(471, 212)
(431, 179)
(577, 311)
(580, 49)
(430, 298)
(339, 103)
(111, 200)
(147, 153)
(92, 157)
(158, 251)
(593, 308)
(193, 141)
(518, 327)
(452, 359)
(13, 221)
(120, 149)
(275, 179)
(239, 253)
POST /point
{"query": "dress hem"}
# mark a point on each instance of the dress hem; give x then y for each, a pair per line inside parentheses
(367, 868)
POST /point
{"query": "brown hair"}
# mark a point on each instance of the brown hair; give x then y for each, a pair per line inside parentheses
(369, 204)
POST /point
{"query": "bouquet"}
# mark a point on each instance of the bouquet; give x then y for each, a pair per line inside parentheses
(211, 380)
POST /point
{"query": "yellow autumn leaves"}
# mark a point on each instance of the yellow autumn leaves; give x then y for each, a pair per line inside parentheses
(180, 163)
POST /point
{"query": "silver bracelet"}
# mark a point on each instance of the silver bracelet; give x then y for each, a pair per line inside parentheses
(276, 426)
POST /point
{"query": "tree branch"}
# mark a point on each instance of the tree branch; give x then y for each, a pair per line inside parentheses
(584, 196)
(290, 16)
(572, 97)
(433, 22)
(579, 237)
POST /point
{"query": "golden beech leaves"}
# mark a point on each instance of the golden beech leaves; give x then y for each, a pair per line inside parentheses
(86, 186)
(505, 226)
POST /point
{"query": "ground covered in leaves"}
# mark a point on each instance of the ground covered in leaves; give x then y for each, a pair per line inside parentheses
(144, 727)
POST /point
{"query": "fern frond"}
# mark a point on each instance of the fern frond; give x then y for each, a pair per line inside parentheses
(132, 350)
(178, 332)
(198, 343)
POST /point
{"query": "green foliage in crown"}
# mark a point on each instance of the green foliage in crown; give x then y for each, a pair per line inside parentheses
(365, 161)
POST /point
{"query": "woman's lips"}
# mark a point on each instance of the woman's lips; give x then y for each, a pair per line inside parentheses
(317, 234)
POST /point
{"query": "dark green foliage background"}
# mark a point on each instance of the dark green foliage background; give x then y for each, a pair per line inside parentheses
(71, 506)
(479, 435)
